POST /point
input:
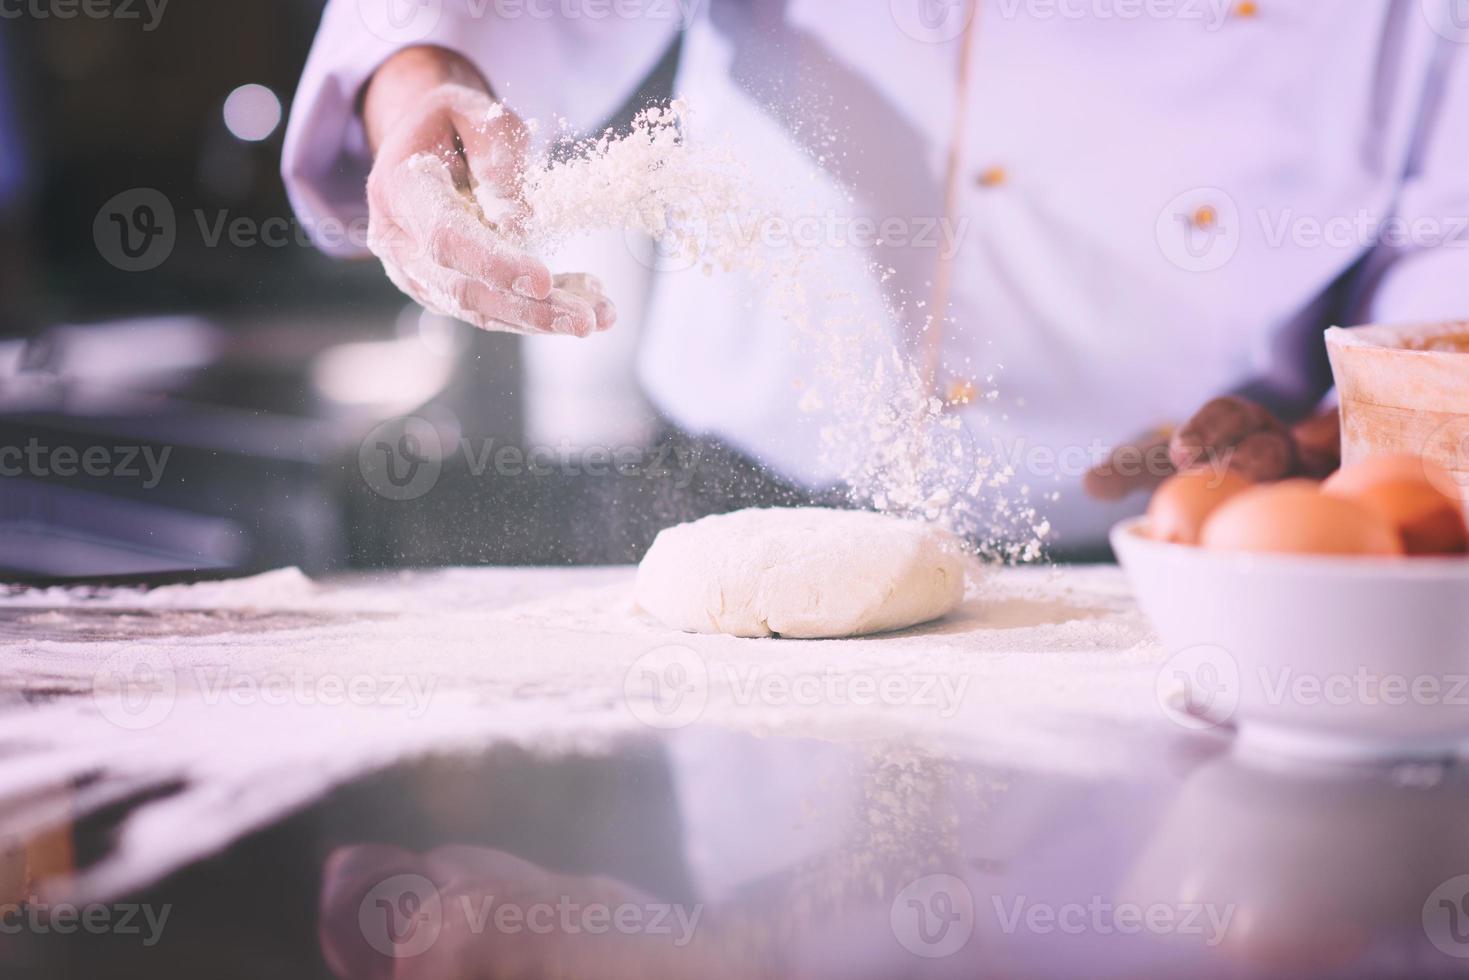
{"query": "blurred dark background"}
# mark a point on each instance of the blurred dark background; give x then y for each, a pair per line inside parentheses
(206, 414)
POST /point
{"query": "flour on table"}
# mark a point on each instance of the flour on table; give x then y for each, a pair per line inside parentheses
(377, 669)
(806, 572)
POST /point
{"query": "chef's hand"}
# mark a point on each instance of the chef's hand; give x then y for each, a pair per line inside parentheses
(1232, 432)
(444, 202)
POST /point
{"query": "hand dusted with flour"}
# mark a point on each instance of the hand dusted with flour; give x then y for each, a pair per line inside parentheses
(805, 572)
(445, 219)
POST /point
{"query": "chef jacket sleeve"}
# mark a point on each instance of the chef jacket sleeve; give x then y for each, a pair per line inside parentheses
(1420, 266)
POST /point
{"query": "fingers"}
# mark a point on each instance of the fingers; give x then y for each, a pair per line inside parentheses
(1229, 432)
(437, 250)
(437, 215)
(1262, 457)
(1241, 434)
(496, 148)
(1318, 444)
(577, 311)
(430, 228)
(489, 308)
(590, 289)
(496, 144)
(1135, 466)
(478, 254)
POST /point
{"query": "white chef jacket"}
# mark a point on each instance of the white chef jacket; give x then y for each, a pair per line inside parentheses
(1160, 200)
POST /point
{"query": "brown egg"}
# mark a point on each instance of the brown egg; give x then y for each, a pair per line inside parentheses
(1428, 522)
(1387, 468)
(1296, 517)
(1181, 505)
(1411, 494)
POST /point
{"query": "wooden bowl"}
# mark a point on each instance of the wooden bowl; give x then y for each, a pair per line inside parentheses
(1405, 389)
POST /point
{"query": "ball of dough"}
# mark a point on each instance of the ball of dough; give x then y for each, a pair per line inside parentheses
(806, 572)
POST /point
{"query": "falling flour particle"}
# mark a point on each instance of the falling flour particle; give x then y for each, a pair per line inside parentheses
(899, 449)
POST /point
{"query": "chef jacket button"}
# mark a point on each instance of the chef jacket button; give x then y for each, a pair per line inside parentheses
(991, 177)
(1205, 217)
(959, 392)
(1246, 8)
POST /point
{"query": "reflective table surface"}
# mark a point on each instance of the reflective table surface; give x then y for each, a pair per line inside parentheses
(225, 836)
(818, 859)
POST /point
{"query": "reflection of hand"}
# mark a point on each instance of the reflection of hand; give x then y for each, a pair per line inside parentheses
(488, 914)
(444, 207)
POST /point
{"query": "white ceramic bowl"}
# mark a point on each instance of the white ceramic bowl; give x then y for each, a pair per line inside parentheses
(1326, 656)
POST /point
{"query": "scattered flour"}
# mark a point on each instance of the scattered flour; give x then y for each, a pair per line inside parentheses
(900, 449)
(1051, 670)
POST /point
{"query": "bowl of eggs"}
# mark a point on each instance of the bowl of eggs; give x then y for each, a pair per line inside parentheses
(1323, 618)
